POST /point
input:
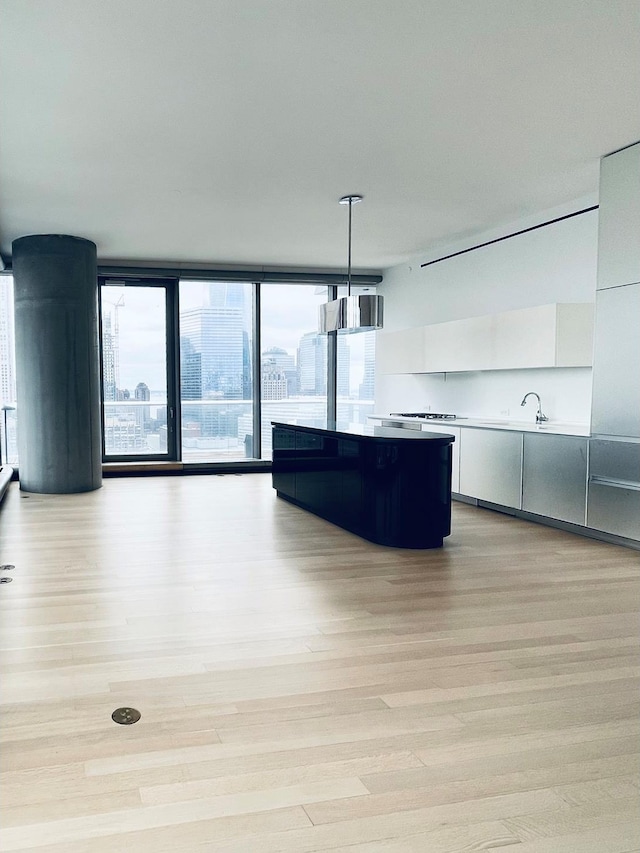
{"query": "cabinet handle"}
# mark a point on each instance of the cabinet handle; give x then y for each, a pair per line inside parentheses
(616, 484)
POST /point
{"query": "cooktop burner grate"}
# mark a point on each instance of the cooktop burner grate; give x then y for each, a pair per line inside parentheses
(431, 416)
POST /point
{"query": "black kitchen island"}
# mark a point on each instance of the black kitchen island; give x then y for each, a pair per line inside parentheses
(390, 486)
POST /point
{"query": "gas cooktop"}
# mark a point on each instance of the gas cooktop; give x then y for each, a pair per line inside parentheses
(430, 416)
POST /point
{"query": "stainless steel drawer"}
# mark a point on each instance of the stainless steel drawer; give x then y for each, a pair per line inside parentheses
(614, 460)
(613, 501)
(614, 508)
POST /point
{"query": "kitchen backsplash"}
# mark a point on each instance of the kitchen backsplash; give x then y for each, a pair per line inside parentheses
(565, 393)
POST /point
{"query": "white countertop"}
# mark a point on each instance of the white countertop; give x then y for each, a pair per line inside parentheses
(552, 427)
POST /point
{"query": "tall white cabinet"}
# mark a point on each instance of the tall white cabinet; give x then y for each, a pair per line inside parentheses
(619, 219)
(613, 499)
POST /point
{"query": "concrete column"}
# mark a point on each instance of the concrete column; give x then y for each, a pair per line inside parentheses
(57, 364)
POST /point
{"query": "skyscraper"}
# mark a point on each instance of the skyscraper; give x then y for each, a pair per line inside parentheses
(216, 362)
(368, 384)
(312, 364)
(274, 382)
(108, 359)
(215, 358)
(143, 413)
(279, 361)
(343, 367)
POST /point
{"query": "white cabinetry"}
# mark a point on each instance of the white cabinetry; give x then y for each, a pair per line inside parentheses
(400, 352)
(491, 466)
(619, 219)
(460, 345)
(557, 335)
(555, 476)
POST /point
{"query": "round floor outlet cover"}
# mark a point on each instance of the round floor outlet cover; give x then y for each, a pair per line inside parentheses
(125, 716)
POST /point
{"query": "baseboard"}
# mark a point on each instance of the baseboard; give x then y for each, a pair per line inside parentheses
(567, 526)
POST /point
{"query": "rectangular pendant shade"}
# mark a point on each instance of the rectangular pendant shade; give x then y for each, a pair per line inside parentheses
(351, 314)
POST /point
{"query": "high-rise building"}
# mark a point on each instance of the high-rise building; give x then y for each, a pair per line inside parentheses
(368, 384)
(278, 360)
(312, 364)
(343, 367)
(143, 413)
(142, 392)
(108, 359)
(216, 360)
(274, 383)
(190, 371)
(123, 434)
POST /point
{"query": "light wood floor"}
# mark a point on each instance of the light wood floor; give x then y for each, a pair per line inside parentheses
(304, 690)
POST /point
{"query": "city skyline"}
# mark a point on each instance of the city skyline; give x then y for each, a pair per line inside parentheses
(276, 332)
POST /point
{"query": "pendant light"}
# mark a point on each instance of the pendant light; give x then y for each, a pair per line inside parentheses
(350, 314)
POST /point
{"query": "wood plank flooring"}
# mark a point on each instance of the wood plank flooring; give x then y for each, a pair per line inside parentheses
(303, 690)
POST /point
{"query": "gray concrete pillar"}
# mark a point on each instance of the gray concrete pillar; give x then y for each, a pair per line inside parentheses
(57, 364)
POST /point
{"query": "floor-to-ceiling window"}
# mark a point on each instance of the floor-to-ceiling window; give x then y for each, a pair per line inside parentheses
(216, 387)
(8, 405)
(243, 354)
(293, 357)
(136, 359)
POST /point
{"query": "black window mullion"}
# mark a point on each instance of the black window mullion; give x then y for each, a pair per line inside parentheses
(174, 435)
(102, 433)
(332, 368)
(257, 375)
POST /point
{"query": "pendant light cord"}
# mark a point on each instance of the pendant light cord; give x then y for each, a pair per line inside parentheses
(349, 266)
(350, 200)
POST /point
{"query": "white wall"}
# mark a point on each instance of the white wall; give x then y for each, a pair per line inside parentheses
(556, 263)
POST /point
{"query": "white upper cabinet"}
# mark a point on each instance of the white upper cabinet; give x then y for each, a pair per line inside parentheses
(557, 335)
(400, 352)
(619, 219)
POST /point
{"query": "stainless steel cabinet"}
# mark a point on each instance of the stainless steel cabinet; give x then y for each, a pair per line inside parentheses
(613, 503)
(554, 481)
(619, 218)
(616, 364)
(491, 466)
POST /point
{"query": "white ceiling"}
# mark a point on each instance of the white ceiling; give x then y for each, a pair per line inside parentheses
(225, 131)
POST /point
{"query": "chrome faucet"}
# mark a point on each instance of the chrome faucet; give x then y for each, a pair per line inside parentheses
(540, 417)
